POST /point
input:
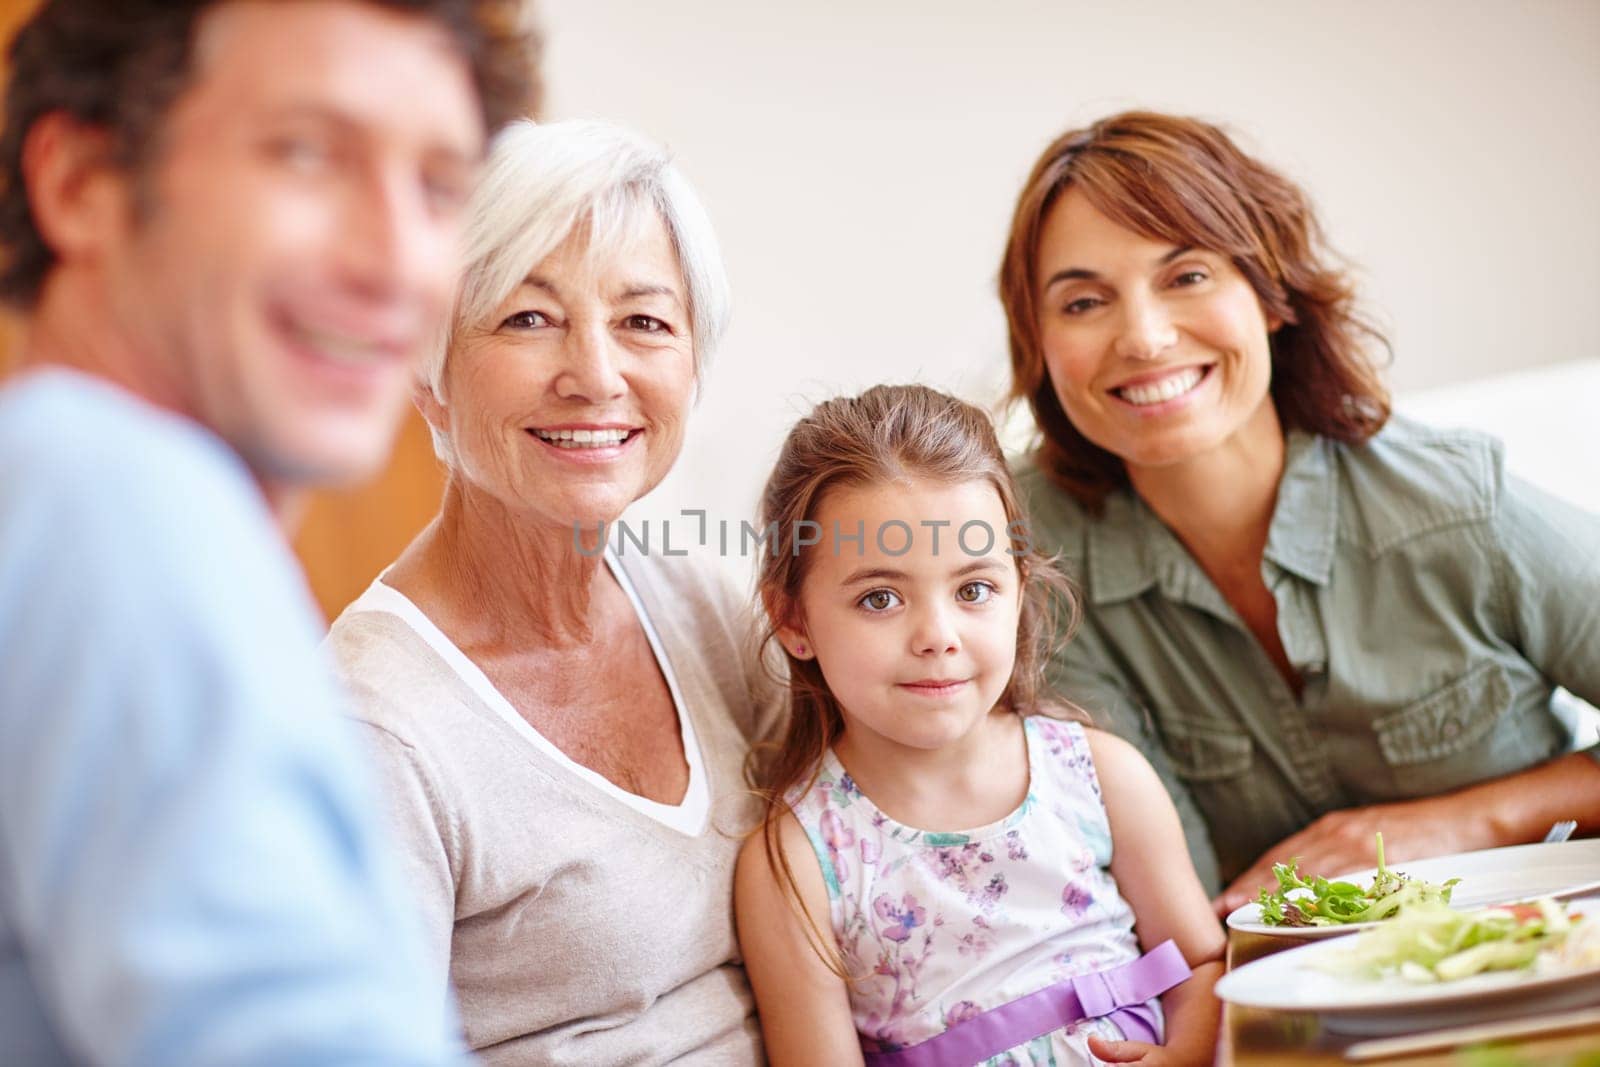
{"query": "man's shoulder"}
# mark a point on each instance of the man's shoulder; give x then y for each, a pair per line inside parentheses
(65, 435)
(120, 523)
(146, 597)
(83, 464)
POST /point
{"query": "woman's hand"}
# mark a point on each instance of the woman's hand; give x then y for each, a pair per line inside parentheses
(1343, 841)
(1505, 811)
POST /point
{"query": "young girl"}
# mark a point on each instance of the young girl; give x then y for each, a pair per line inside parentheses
(944, 876)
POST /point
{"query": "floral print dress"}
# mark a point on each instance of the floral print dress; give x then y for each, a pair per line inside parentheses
(940, 927)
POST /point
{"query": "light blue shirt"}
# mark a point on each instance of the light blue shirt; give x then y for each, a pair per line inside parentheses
(188, 870)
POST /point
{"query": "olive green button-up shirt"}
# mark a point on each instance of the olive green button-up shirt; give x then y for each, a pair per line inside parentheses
(1431, 603)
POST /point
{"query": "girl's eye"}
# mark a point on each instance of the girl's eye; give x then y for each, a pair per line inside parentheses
(646, 323)
(526, 320)
(1082, 304)
(975, 593)
(1189, 277)
(879, 600)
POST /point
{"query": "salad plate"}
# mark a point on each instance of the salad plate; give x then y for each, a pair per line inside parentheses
(1316, 978)
(1489, 876)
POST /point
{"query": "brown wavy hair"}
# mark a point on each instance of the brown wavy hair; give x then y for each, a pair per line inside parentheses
(889, 433)
(1185, 182)
(122, 64)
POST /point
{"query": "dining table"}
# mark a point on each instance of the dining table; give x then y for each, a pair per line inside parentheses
(1257, 1037)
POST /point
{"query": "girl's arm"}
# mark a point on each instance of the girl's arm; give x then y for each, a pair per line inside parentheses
(804, 1006)
(1151, 865)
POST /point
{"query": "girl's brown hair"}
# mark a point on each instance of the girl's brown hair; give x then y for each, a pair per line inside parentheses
(890, 433)
(1185, 182)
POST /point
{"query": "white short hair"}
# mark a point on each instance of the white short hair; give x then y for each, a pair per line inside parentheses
(542, 182)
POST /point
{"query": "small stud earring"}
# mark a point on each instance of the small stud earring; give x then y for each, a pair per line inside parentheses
(799, 650)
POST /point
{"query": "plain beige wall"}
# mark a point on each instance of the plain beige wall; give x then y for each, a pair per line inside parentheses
(860, 161)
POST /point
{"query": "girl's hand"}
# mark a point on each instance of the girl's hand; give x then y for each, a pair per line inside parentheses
(1120, 1051)
(1148, 1055)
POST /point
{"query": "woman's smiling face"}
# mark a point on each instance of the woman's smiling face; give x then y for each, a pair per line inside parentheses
(1157, 352)
(570, 402)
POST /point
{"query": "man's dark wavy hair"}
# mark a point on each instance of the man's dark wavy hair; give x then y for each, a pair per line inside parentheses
(120, 65)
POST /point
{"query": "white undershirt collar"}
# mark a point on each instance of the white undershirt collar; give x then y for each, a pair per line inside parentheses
(687, 817)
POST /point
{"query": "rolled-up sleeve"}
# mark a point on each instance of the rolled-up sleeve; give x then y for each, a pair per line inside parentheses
(1549, 574)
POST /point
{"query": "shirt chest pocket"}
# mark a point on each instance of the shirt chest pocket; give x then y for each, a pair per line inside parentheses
(1438, 742)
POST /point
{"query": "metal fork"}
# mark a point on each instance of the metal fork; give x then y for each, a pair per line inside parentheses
(1560, 831)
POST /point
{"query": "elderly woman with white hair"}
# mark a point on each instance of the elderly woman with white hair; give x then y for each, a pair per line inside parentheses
(561, 730)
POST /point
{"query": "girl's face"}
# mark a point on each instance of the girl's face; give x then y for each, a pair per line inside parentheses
(914, 623)
(1158, 353)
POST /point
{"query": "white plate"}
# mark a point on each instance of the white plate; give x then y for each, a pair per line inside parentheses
(1489, 876)
(1289, 981)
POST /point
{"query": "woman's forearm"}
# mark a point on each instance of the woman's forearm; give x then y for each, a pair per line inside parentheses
(1520, 807)
(1511, 810)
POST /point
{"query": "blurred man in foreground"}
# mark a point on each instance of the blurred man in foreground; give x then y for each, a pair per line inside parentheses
(229, 227)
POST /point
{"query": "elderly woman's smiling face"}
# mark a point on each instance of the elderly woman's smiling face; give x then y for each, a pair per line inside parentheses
(569, 403)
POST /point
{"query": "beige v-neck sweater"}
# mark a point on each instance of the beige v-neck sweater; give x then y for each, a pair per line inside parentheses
(576, 928)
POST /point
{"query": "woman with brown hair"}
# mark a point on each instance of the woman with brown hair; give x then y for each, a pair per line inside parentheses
(1318, 621)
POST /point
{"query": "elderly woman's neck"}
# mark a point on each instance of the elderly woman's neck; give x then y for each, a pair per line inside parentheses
(489, 576)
